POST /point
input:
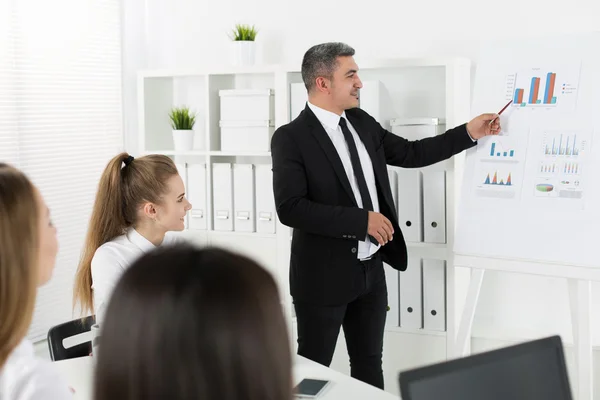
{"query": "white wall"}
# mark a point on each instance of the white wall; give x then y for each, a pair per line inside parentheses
(188, 33)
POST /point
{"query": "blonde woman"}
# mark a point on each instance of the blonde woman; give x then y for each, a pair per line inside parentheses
(28, 248)
(139, 200)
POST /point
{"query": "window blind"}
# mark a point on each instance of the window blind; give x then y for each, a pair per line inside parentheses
(61, 119)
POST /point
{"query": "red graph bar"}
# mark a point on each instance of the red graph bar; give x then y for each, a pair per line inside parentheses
(536, 91)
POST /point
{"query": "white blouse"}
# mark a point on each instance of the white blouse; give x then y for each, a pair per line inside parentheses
(27, 377)
(112, 259)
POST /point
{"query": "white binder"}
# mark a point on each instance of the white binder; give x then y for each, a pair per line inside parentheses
(411, 295)
(393, 177)
(434, 294)
(222, 197)
(393, 286)
(434, 206)
(243, 197)
(196, 190)
(182, 170)
(265, 202)
(410, 214)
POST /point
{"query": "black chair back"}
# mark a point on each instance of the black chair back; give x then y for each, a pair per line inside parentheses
(58, 333)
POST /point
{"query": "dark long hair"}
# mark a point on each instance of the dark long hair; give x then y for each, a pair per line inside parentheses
(188, 323)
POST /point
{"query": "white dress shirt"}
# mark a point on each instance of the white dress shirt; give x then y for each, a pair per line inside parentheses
(330, 122)
(110, 262)
(27, 377)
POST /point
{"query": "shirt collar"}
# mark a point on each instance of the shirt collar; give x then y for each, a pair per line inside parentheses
(327, 118)
(137, 239)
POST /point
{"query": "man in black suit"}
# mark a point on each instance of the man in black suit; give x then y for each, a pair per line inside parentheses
(331, 185)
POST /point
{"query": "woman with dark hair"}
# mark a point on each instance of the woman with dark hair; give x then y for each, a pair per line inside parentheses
(188, 323)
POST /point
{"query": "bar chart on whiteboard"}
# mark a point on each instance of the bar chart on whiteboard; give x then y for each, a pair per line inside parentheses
(547, 88)
(530, 193)
(500, 167)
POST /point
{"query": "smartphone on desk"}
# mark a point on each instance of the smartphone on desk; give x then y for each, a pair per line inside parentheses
(310, 388)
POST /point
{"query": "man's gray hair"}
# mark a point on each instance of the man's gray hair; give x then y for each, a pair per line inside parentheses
(321, 60)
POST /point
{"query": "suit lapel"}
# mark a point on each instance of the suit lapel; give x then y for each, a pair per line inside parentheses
(365, 136)
(323, 138)
(367, 140)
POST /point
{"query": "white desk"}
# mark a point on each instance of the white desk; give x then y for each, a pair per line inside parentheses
(79, 375)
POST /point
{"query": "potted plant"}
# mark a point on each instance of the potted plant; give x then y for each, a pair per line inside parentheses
(182, 122)
(243, 37)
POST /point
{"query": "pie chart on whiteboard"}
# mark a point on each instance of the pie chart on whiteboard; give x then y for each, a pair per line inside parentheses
(544, 187)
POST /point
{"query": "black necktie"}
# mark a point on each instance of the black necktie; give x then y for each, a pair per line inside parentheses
(358, 171)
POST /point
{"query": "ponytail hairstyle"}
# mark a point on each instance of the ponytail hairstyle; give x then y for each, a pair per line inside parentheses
(19, 254)
(125, 184)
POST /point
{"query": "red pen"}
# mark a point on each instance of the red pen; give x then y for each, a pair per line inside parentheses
(501, 111)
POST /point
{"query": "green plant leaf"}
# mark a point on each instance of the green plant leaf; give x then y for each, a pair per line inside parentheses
(243, 32)
(181, 119)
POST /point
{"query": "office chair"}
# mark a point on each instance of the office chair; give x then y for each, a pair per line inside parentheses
(58, 333)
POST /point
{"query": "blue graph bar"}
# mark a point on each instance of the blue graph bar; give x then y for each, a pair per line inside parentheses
(493, 147)
(553, 100)
(560, 146)
(546, 100)
(531, 90)
(512, 153)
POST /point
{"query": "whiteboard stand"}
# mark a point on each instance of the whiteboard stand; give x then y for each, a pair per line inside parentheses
(580, 294)
(463, 337)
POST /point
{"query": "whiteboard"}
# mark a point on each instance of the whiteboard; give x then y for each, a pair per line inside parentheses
(533, 192)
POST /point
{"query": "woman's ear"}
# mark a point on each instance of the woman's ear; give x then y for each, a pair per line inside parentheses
(149, 211)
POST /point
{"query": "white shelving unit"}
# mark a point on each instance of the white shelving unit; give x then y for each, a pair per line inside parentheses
(412, 88)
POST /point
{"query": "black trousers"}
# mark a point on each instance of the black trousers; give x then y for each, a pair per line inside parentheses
(363, 320)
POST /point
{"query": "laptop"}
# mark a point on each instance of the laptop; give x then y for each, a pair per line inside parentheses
(534, 370)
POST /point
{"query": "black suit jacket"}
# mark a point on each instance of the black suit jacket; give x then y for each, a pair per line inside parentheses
(313, 196)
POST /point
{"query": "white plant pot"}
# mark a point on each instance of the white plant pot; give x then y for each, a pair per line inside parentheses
(244, 52)
(183, 140)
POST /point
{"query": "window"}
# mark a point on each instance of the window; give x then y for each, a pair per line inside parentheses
(61, 119)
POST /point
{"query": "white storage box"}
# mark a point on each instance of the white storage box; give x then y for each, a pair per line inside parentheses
(418, 128)
(371, 99)
(246, 135)
(247, 104)
(298, 99)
